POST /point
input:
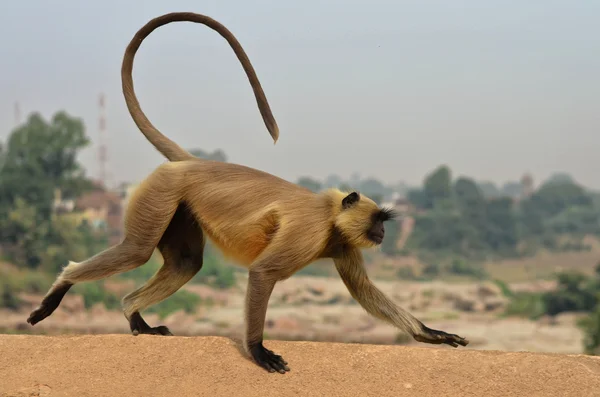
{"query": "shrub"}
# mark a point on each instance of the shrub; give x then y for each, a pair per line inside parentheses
(180, 300)
(506, 291)
(94, 292)
(591, 332)
(461, 267)
(431, 270)
(317, 269)
(144, 272)
(8, 292)
(526, 304)
(33, 282)
(12, 283)
(406, 273)
(215, 273)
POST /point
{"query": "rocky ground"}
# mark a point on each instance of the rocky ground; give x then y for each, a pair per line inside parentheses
(122, 365)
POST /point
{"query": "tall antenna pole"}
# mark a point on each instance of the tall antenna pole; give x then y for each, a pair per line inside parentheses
(17, 114)
(101, 143)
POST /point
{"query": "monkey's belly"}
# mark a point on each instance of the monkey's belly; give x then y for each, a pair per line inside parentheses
(243, 250)
(243, 241)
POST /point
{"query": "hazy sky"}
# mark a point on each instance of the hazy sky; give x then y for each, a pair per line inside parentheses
(390, 89)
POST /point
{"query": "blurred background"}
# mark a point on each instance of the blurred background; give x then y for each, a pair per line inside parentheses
(477, 121)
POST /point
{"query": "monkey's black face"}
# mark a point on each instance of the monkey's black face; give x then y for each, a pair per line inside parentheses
(376, 233)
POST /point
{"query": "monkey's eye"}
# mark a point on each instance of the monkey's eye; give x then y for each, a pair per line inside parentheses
(386, 214)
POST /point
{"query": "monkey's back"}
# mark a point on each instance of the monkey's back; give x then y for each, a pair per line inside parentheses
(241, 208)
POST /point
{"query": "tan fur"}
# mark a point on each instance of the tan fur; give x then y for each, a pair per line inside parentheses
(268, 225)
(352, 223)
(350, 267)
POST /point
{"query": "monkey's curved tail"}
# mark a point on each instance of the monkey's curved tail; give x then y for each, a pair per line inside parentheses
(167, 147)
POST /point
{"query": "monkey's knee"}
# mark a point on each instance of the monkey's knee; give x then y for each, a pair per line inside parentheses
(137, 254)
(120, 258)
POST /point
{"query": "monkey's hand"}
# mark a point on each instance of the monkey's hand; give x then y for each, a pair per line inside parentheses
(268, 360)
(438, 337)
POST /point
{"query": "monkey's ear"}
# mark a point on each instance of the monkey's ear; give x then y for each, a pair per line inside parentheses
(350, 200)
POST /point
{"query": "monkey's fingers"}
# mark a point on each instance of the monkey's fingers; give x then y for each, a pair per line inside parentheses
(266, 364)
(276, 356)
(276, 363)
(39, 314)
(269, 360)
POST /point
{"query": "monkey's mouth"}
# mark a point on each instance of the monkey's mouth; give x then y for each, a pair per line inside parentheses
(376, 238)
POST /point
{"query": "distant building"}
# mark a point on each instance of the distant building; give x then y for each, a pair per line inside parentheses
(102, 210)
(98, 208)
(527, 182)
(125, 191)
(403, 206)
(400, 204)
(60, 205)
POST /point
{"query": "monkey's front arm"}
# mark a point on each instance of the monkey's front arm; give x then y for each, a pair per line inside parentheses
(352, 271)
(260, 286)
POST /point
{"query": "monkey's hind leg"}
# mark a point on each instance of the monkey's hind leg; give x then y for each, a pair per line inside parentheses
(117, 259)
(150, 210)
(182, 248)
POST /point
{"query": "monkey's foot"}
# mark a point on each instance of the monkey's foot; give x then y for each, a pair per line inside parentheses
(160, 330)
(436, 337)
(49, 304)
(268, 360)
(139, 326)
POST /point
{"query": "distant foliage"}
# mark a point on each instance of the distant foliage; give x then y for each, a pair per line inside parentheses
(214, 272)
(309, 183)
(317, 269)
(591, 332)
(529, 305)
(463, 268)
(9, 292)
(575, 292)
(40, 156)
(217, 155)
(14, 283)
(479, 222)
(94, 293)
(392, 234)
(180, 300)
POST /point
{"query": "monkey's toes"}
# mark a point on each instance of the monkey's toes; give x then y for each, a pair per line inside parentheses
(440, 337)
(268, 360)
(160, 330)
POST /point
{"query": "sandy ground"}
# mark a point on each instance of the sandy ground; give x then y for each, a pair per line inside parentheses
(124, 365)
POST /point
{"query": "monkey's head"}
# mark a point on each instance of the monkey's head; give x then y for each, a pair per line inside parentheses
(360, 220)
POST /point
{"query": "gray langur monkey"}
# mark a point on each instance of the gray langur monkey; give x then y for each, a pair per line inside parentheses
(268, 225)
